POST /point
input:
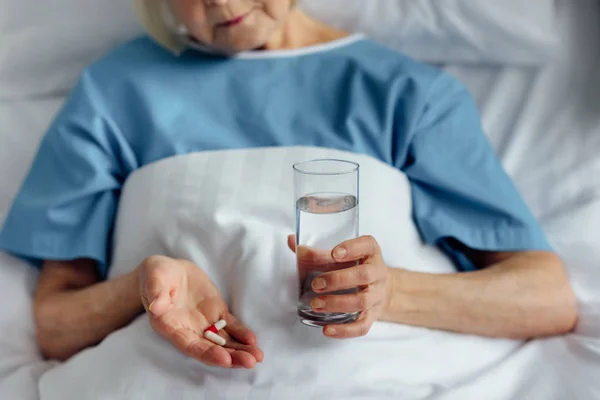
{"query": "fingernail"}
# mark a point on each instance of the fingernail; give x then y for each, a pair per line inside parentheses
(150, 306)
(319, 284)
(330, 331)
(318, 303)
(340, 252)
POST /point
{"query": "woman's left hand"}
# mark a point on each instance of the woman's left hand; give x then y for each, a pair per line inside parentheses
(370, 275)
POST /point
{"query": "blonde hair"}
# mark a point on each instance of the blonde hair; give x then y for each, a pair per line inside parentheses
(160, 23)
(154, 15)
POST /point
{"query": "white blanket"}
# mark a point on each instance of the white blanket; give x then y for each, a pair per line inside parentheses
(545, 126)
(230, 212)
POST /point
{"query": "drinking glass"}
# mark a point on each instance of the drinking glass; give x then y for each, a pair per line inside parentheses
(326, 196)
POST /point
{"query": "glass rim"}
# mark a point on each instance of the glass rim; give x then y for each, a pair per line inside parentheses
(353, 166)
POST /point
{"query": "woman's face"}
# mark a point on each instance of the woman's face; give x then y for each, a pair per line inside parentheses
(232, 25)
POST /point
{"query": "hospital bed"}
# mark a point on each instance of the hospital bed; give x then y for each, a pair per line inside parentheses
(545, 125)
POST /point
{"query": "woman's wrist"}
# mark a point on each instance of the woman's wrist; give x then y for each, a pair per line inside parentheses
(401, 302)
(134, 279)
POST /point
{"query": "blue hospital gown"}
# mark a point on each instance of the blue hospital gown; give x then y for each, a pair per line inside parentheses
(140, 104)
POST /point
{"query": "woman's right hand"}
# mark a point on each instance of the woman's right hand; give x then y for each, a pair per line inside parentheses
(182, 302)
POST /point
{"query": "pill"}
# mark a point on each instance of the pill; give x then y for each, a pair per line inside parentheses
(211, 332)
(213, 337)
(217, 326)
(220, 324)
(212, 329)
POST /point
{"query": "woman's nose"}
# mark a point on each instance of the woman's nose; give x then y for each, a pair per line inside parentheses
(215, 2)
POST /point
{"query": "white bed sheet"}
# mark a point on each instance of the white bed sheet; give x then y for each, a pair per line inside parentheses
(546, 127)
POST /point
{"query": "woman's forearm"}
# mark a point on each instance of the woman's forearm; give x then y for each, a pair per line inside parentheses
(73, 318)
(527, 295)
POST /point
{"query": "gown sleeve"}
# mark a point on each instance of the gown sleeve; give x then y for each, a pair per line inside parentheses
(459, 187)
(65, 208)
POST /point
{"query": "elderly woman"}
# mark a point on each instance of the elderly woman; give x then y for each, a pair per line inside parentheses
(222, 74)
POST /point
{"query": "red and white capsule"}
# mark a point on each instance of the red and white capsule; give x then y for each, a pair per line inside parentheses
(211, 332)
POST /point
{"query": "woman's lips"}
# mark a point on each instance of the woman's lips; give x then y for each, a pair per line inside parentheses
(233, 22)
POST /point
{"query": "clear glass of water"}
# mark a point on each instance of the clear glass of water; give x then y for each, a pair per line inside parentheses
(326, 193)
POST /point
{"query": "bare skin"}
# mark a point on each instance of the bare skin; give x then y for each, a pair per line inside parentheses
(73, 308)
(519, 295)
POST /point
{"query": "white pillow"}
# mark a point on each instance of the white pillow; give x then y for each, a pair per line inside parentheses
(44, 45)
(451, 31)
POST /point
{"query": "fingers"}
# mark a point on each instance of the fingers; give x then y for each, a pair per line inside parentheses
(160, 305)
(364, 300)
(291, 239)
(233, 355)
(255, 352)
(349, 278)
(242, 359)
(159, 284)
(244, 356)
(156, 296)
(341, 256)
(309, 255)
(242, 353)
(199, 348)
(217, 356)
(214, 356)
(240, 337)
(312, 258)
(239, 331)
(359, 328)
(356, 249)
(224, 357)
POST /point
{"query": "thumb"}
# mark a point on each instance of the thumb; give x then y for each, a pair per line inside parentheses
(157, 293)
(159, 305)
(292, 242)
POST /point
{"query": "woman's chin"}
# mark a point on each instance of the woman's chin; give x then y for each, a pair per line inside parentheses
(243, 38)
(246, 44)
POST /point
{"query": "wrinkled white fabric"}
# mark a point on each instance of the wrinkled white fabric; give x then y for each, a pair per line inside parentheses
(545, 125)
(478, 32)
(230, 212)
(45, 45)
